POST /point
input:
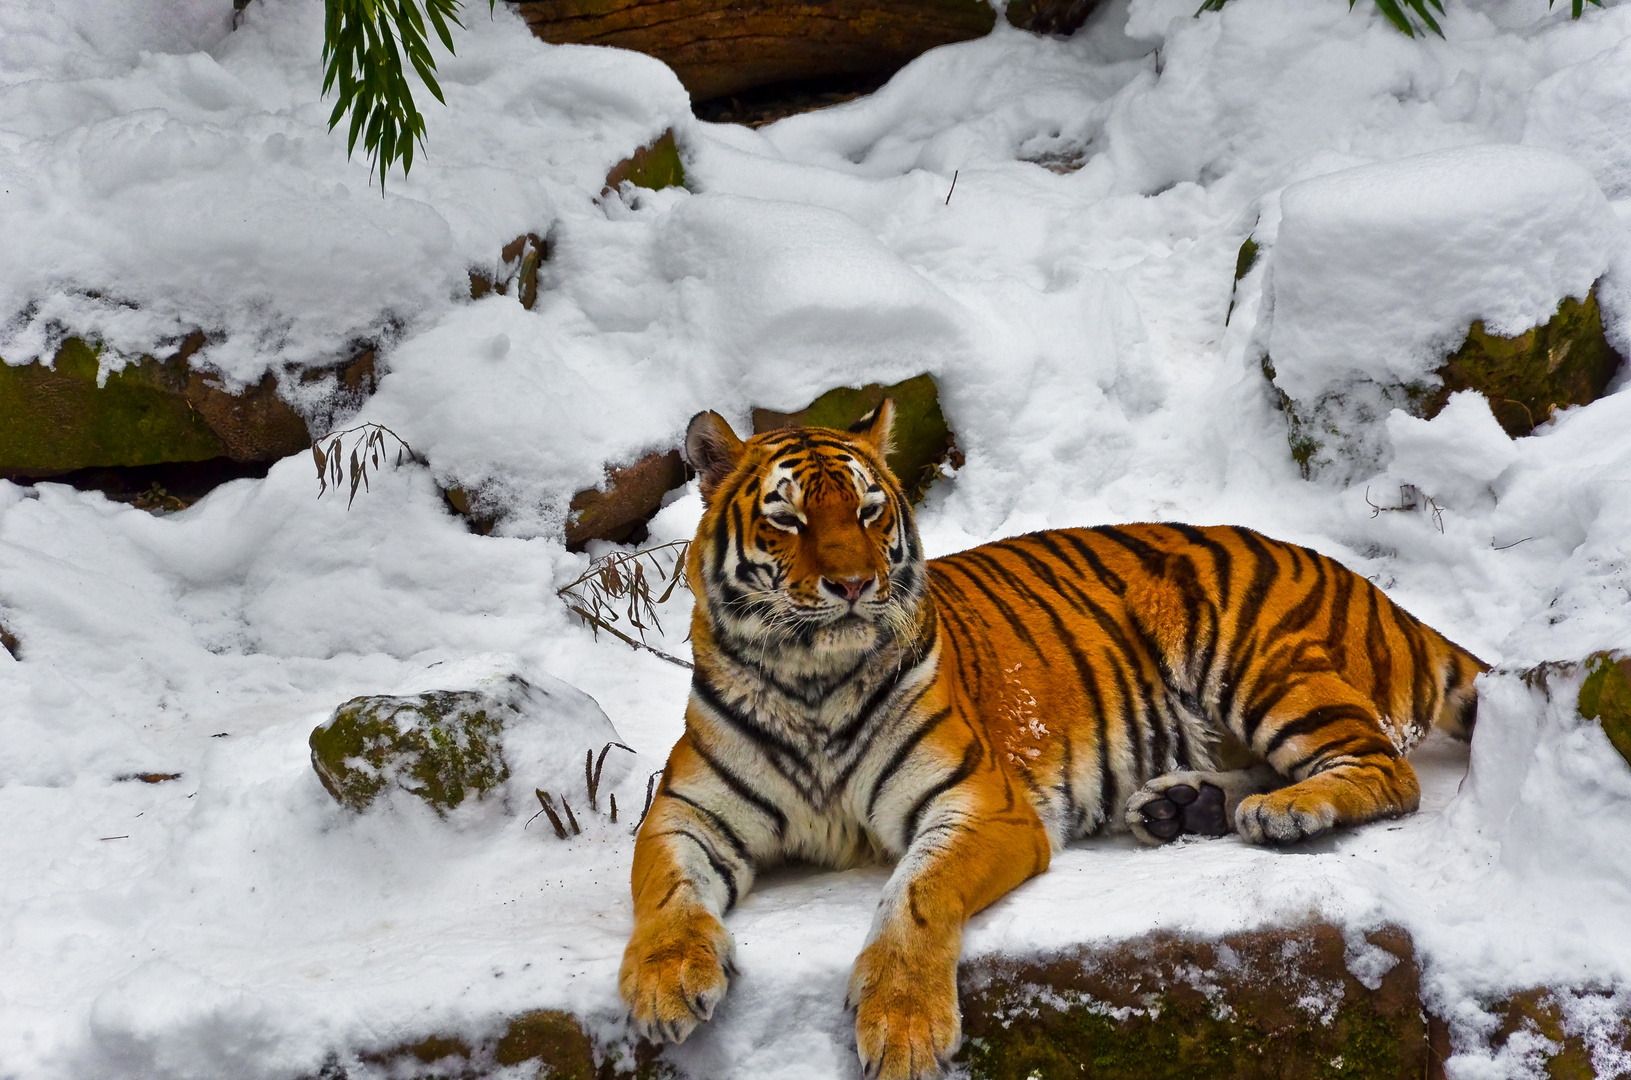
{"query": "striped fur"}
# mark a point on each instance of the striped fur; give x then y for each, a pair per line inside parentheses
(965, 717)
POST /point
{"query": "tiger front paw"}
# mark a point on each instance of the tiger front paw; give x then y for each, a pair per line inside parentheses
(907, 1024)
(674, 973)
(1284, 817)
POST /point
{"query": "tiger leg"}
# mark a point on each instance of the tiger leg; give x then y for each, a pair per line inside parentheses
(1195, 802)
(976, 838)
(690, 867)
(1328, 738)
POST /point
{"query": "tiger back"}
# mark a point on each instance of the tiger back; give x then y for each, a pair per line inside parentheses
(966, 716)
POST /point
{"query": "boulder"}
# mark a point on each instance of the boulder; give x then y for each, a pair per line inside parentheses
(518, 263)
(502, 737)
(618, 510)
(1565, 361)
(1277, 1003)
(1605, 696)
(923, 441)
(56, 419)
(1506, 244)
(655, 166)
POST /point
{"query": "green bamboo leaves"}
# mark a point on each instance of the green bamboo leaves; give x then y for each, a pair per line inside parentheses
(1395, 12)
(364, 42)
(1408, 15)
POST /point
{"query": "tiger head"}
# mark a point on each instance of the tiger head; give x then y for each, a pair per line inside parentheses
(807, 540)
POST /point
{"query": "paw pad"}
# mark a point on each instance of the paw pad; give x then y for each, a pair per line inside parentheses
(1183, 809)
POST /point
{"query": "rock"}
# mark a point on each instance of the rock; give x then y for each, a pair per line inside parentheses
(555, 1043)
(553, 1038)
(1273, 1003)
(654, 166)
(923, 442)
(57, 422)
(1606, 697)
(1501, 237)
(518, 263)
(1567, 361)
(619, 510)
(502, 736)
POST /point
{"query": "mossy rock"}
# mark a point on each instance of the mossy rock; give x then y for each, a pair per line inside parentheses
(1566, 361)
(656, 166)
(553, 1038)
(1606, 697)
(56, 419)
(1278, 1004)
(923, 441)
(443, 746)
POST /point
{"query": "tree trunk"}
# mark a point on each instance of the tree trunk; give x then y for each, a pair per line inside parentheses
(722, 47)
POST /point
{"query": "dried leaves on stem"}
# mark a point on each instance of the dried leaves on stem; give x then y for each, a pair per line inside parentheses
(618, 589)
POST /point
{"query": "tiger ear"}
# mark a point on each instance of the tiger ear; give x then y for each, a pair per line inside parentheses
(713, 450)
(877, 428)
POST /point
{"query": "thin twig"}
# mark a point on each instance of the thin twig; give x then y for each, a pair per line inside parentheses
(953, 186)
(651, 787)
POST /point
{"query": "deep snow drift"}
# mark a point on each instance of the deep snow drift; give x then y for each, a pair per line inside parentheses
(164, 174)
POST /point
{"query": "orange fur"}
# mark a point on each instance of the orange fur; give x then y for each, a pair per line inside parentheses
(967, 715)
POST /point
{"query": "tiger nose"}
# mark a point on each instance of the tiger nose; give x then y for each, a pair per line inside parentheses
(849, 588)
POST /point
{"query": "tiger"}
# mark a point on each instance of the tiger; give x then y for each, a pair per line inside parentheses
(965, 717)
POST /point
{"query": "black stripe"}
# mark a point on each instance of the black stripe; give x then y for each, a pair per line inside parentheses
(898, 758)
(714, 861)
(742, 790)
(745, 724)
(716, 821)
(1107, 577)
(1314, 720)
(965, 769)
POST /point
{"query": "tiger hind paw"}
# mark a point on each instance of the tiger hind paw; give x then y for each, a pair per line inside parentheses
(1194, 803)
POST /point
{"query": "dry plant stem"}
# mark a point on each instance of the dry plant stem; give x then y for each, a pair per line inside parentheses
(618, 587)
(1410, 498)
(571, 817)
(548, 808)
(592, 776)
(612, 798)
(651, 789)
(365, 453)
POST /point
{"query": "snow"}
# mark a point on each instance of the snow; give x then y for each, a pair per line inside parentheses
(1378, 270)
(164, 173)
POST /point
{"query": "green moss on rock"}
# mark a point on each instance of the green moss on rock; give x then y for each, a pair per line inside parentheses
(552, 1037)
(56, 419)
(656, 166)
(1566, 361)
(1278, 1004)
(1606, 697)
(443, 746)
(922, 439)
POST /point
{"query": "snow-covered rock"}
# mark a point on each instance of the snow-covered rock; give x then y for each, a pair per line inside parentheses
(461, 738)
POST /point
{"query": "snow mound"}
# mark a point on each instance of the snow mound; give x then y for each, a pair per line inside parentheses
(788, 286)
(1455, 455)
(1378, 271)
(150, 193)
